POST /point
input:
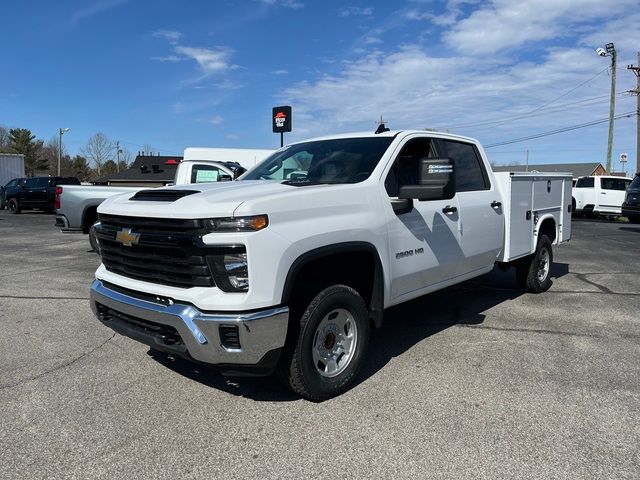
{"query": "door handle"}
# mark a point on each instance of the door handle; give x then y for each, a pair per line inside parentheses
(603, 193)
(449, 210)
(496, 204)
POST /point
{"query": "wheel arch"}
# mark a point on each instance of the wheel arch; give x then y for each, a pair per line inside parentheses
(547, 226)
(317, 266)
(89, 216)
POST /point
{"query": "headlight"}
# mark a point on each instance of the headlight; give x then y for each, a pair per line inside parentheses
(237, 224)
(230, 271)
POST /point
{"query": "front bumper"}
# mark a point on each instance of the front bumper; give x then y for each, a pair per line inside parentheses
(630, 210)
(185, 331)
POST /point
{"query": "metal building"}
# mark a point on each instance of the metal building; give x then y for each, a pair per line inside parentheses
(11, 166)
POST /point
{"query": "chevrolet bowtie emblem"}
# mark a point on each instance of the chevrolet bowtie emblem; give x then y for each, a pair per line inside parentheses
(127, 238)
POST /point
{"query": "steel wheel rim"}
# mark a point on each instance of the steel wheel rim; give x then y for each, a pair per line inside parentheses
(334, 342)
(543, 265)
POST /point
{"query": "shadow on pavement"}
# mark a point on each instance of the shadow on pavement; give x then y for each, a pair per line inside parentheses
(631, 229)
(404, 326)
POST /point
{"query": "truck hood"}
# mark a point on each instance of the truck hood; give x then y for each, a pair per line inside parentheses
(211, 200)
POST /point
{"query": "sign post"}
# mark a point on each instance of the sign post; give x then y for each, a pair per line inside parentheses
(281, 121)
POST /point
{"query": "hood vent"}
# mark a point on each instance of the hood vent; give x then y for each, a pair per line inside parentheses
(161, 195)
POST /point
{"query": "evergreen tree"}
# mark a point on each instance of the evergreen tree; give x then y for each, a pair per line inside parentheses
(22, 141)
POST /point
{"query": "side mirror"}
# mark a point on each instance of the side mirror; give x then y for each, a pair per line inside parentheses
(437, 181)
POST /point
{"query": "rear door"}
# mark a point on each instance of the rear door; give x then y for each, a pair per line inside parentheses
(424, 245)
(612, 193)
(481, 223)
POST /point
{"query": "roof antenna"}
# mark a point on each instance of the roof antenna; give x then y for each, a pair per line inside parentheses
(381, 126)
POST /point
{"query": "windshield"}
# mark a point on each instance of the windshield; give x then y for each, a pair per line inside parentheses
(345, 160)
(635, 185)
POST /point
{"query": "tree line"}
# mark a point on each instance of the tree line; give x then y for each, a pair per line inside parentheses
(96, 158)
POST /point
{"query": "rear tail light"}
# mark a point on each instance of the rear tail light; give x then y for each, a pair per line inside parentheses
(58, 193)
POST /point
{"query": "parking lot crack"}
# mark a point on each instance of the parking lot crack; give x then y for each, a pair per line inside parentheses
(602, 288)
(548, 332)
(57, 367)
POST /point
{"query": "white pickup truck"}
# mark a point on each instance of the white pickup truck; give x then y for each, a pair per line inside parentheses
(76, 206)
(288, 268)
(599, 195)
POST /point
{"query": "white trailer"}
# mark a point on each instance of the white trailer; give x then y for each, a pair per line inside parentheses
(11, 166)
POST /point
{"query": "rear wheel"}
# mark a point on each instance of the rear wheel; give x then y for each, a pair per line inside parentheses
(634, 219)
(533, 273)
(329, 351)
(14, 207)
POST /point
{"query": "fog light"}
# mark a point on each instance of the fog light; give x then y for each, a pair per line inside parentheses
(230, 271)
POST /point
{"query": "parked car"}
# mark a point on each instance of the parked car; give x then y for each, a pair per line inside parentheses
(631, 205)
(37, 193)
(599, 195)
(11, 187)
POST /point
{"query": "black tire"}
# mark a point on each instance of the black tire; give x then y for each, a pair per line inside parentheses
(14, 206)
(93, 238)
(531, 274)
(634, 219)
(297, 367)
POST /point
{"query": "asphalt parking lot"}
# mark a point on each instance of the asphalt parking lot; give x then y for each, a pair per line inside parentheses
(477, 381)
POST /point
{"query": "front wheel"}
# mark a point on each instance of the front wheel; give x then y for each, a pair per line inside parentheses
(330, 347)
(14, 207)
(634, 219)
(534, 272)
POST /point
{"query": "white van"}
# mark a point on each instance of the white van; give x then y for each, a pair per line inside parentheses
(599, 195)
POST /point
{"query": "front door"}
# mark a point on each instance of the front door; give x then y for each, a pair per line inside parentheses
(424, 247)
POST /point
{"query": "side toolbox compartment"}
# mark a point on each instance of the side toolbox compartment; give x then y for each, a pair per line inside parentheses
(530, 199)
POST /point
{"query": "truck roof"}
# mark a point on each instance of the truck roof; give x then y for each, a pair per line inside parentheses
(390, 133)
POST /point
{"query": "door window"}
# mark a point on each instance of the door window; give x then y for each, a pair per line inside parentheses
(619, 184)
(585, 182)
(406, 167)
(208, 174)
(43, 182)
(12, 183)
(31, 182)
(468, 169)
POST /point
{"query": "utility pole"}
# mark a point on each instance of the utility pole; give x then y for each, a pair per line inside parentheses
(636, 69)
(609, 50)
(61, 131)
(118, 152)
(612, 103)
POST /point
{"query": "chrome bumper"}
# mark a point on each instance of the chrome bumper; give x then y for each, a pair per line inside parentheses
(260, 332)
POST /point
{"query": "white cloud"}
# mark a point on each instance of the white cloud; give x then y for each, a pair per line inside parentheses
(210, 60)
(353, 11)
(232, 136)
(412, 88)
(501, 25)
(293, 4)
(216, 120)
(280, 72)
(168, 58)
(173, 36)
(95, 8)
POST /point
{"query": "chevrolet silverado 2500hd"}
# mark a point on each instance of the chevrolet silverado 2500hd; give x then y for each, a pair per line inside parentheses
(288, 268)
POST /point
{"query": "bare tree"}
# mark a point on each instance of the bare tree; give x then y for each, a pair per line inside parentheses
(5, 145)
(148, 149)
(125, 158)
(98, 150)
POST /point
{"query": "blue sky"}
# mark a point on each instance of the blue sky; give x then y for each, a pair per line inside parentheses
(206, 73)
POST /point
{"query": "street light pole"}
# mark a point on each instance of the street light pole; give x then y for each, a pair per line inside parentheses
(636, 69)
(609, 50)
(61, 132)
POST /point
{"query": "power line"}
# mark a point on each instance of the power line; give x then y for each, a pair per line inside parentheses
(560, 130)
(522, 115)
